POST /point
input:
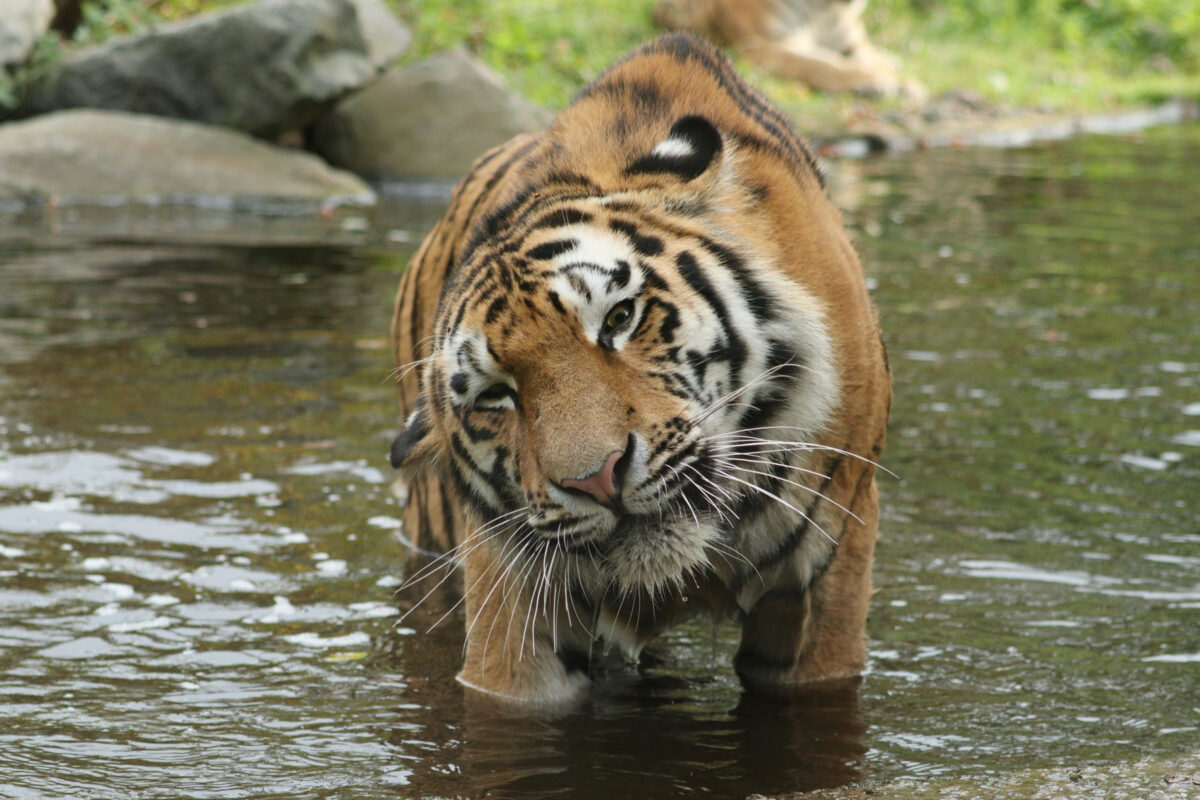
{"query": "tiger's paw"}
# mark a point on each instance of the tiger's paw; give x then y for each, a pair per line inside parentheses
(545, 685)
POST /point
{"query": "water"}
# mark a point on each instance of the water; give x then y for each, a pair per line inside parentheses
(197, 550)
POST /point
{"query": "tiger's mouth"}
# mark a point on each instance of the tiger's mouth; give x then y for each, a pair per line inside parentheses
(600, 540)
(640, 525)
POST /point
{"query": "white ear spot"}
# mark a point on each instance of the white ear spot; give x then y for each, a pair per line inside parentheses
(691, 147)
(674, 148)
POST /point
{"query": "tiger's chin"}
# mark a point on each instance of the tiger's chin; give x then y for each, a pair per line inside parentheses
(655, 557)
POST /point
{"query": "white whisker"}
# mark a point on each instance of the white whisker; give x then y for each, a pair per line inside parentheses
(799, 445)
(780, 500)
(725, 400)
(826, 498)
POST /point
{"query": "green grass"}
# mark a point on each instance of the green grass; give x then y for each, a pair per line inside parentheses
(1070, 55)
(547, 49)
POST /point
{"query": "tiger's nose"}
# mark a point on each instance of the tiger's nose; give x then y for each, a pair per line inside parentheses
(604, 485)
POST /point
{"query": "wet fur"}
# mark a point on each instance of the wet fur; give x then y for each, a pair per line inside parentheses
(671, 161)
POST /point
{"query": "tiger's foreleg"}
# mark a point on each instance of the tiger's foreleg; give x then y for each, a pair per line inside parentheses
(511, 636)
(799, 634)
(799, 58)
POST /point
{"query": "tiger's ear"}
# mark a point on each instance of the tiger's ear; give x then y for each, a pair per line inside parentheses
(692, 146)
(415, 443)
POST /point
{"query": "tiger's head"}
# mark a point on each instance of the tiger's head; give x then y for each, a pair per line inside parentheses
(605, 338)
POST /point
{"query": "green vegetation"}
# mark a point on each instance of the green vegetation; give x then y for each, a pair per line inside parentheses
(1066, 55)
(103, 19)
(547, 49)
(1072, 54)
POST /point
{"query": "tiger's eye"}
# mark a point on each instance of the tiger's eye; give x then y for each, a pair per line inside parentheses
(618, 317)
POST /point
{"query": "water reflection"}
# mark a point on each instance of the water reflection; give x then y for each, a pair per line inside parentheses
(806, 742)
(653, 731)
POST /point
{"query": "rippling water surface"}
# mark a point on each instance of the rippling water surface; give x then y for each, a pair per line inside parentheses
(198, 556)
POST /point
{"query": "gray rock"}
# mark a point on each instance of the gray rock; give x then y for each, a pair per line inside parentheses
(264, 68)
(21, 23)
(387, 38)
(110, 156)
(429, 119)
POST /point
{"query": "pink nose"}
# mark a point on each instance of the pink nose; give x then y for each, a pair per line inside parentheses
(599, 484)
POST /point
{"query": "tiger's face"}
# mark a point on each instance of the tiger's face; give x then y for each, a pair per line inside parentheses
(598, 354)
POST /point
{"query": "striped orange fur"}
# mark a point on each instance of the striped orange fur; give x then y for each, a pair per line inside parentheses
(648, 383)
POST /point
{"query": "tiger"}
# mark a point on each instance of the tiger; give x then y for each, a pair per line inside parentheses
(821, 43)
(641, 379)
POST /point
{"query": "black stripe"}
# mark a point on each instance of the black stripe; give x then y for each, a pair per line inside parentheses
(699, 363)
(474, 432)
(468, 496)
(477, 235)
(512, 216)
(735, 352)
(548, 250)
(666, 330)
(796, 535)
(671, 481)
(653, 279)
(643, 244)
(644, 96)
(416, 334)
(561, 218)
(424, 524)
(496, 307)
(767, 403)
(657, 450)
(678, 456)
(465, 457)
(624, 205)
(577, 179)
(499, 477)
(762, 411)
(760, 301)
(866, 476)
(447, 509)
(753, 502)
(620, 278)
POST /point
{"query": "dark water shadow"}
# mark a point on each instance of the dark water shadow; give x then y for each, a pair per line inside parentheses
(642, 733)
(640, 744)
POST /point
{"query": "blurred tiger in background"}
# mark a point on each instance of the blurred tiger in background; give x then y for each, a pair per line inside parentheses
(822, 43)
(641, 380)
